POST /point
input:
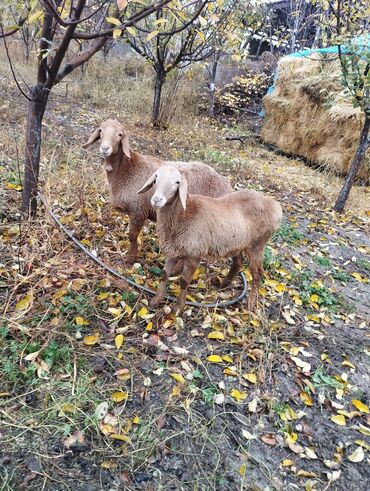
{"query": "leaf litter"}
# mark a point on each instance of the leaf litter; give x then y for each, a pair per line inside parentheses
(146, 387)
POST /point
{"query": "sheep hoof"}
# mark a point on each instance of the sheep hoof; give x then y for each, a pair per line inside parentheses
(156, 301)
(216, 282)
(177, 308)
(130, 259)
(220, 284)
(252, 304)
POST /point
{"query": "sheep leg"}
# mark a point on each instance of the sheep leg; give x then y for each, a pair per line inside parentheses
(167, 270)
(187, 274)
(178, 267)
(255, 264)
(135, 226)
(236, 265)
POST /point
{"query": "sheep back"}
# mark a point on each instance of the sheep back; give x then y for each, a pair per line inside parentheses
(218, 227)
(132, 173)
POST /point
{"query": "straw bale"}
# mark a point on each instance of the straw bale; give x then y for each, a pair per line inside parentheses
(307, 114)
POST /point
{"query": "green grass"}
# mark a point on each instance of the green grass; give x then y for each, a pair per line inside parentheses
(326, 298)
(341, 275)
(15, 370)
(271, 261)
(308, 286)
(288, 234)
(208, 393)
(364, 264)
(321, 379)
(322, 261)
(74, 304)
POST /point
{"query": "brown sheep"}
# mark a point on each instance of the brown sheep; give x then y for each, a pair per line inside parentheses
(127, 171)
(193, 227)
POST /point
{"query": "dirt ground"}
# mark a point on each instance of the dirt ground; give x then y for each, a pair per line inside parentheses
(97, 392)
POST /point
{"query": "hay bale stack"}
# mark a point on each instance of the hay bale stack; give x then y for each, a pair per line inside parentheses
(306, 114)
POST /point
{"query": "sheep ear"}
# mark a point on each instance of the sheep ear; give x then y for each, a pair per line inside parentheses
(95, 135)
(149, 183)
(183, 191)
(126, 146)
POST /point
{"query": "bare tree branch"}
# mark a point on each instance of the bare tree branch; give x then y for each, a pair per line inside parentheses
(130, 22)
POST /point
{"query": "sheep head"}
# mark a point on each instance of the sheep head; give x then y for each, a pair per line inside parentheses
(169, 183)
(112, 137)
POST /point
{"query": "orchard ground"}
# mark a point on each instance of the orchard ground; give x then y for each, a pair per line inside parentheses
(98, 392)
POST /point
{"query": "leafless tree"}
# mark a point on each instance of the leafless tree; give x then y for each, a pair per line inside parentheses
(181, 43)
(83, 22)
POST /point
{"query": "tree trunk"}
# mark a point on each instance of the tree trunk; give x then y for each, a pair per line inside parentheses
(159, 80)
(26, 38)
(356, 163)
(36, 109)
(212, 71)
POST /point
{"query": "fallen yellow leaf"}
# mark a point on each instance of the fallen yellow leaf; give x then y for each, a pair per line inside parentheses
(114, 311)
(359, 277)
(237, 395)
(347, 363)
(281, 287)
(363, 444)
(118, 340)
(102, 296)
(176, 390)
(123, 374)
(287, 463)
(91, 340)
(303, 473)
(81, 321)
(357, 456)
(227, 358)
(178, 377)
(230, 372)
(291, 438)
(214, 359)
(251, 377)
(364, 430)
(306, 398)
(119, 396)
(339, 419)
(216, 335)
(24, 303)
(143, 311)
(360, 406)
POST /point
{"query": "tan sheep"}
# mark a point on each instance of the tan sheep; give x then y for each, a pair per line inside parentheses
(193, 227)
(127, 171)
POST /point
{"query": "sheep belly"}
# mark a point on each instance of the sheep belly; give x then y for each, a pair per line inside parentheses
(212, 238)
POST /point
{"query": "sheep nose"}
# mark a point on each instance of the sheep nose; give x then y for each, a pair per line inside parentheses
(158, 201)
(104, 148)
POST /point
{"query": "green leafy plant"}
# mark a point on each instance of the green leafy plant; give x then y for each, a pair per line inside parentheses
(288, 234)
(322, 261)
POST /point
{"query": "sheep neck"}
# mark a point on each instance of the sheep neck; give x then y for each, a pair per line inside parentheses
(124, 168)
(170, 217)
(115, 162)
